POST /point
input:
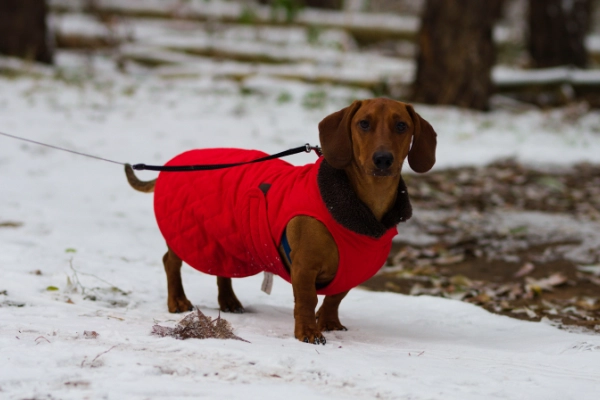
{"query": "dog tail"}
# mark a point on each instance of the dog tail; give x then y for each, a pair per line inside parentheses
(142, 186)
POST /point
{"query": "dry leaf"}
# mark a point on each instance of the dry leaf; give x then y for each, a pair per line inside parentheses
(525, 310)
(460, 280)
(449, 259)
(526, 269)
(90, 334)
(537, 285)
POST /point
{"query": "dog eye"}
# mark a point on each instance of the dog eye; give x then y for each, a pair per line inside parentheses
(364, 124)
(401, 126)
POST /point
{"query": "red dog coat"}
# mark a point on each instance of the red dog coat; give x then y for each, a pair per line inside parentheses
(226, 223)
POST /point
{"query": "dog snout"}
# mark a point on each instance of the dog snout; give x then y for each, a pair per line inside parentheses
(383, 159)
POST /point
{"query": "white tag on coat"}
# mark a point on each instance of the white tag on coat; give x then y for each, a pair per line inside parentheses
(267, 283)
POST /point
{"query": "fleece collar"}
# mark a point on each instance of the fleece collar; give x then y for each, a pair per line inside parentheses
(350, 212)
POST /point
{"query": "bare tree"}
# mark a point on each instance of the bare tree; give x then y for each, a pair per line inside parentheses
(456, 53)
(557, 30)
(23, 30)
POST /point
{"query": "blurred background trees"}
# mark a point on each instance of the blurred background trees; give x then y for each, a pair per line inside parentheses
(23, 30)
(456, 53)
(557, 31)
(449, 52)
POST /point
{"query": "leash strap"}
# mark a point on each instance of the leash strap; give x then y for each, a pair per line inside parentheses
(61, 148)
(307, 148)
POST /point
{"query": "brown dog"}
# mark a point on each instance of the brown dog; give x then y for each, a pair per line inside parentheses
(368, 141)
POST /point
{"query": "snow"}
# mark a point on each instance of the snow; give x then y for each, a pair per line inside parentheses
(512, 76)
(320, 55)
(88, 232)
(151, 29)
(592, 42)
(281, 52)
(391, 24)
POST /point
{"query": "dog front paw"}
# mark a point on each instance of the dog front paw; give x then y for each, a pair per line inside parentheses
(179, 305)
(310, 335)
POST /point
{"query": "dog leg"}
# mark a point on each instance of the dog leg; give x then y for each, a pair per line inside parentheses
(305, 301)
(327, 316)
(176, 300)
(228, 302)
(314, 260)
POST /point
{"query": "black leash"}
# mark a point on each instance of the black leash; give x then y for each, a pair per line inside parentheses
(307, 148)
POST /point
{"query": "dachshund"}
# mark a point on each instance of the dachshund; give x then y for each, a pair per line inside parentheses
(325, 227)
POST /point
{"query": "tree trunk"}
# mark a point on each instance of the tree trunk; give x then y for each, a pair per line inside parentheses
(456, 53)
(557, 30)
(23, 30)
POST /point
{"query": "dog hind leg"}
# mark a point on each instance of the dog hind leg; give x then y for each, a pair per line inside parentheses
(228, 302)
(327, 316)
(176, 299)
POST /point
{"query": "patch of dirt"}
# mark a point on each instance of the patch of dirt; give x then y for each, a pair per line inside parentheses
(510, 185)
(484, 245)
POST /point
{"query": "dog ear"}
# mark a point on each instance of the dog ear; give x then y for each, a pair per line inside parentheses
(421, 156)
(335, 136)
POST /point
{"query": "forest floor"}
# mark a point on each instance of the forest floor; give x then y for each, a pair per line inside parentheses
(484, 245)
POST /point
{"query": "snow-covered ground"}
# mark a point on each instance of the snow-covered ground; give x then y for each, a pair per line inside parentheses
(87, 256)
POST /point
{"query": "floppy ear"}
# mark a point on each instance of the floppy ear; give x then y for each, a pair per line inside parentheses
(421, 156)
(335, 136)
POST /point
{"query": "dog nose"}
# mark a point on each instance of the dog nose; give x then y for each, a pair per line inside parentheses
(383, 159)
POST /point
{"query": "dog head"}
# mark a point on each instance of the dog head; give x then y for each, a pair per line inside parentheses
(378, 134)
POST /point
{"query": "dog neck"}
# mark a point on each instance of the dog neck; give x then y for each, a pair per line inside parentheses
(377, 192)
(367, 208)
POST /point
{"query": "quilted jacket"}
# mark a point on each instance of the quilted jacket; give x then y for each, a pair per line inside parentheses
(230, 222)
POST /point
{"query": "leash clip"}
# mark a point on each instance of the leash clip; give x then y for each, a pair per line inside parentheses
(310, 148)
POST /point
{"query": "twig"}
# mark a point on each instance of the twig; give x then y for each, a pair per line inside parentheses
(95, 358)
(104, 352)
(40, 337)
(214, 321)
(76, 276)
(93, 276)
